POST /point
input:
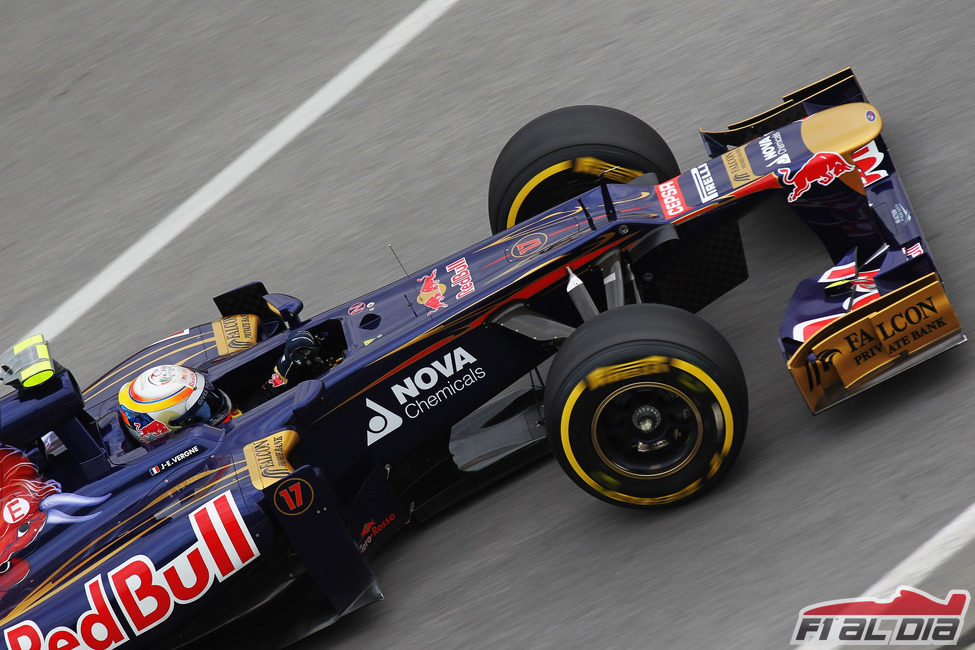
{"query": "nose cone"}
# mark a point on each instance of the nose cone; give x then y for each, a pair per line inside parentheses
(842, 129)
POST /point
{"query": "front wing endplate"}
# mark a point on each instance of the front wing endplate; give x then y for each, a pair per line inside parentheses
(875, 342)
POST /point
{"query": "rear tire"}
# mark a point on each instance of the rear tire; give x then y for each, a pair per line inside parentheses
(646, 405)
(560, 155)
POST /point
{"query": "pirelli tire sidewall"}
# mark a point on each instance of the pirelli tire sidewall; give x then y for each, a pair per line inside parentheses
(646, 350)
(536, 169)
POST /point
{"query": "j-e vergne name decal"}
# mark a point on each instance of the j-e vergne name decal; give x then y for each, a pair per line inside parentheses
(910, 617)
(174, 460)
(147, 595)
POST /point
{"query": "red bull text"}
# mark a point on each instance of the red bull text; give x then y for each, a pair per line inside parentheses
(147, 595)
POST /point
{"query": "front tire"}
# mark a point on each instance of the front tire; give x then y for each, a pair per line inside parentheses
(561, 154)
(646, 405)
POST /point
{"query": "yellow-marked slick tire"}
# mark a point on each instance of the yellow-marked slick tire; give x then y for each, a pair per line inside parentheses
(646, 405)
(560, 155)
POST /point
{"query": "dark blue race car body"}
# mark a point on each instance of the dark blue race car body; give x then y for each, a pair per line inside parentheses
(426, 399)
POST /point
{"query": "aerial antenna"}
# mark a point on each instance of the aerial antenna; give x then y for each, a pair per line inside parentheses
(410, 304)
(405, 297)
(397, 258)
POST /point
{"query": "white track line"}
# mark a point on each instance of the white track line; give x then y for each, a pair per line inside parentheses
(246, 164)
(920, 564)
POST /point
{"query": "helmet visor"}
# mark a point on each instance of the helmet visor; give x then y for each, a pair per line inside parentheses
(212, 408)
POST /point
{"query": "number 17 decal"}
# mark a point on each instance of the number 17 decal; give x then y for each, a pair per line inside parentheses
(293, 496)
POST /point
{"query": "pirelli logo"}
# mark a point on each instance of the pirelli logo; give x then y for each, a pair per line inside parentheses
(652, 365)
(595, 167)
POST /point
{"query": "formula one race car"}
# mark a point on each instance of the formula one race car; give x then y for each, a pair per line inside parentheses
(430, 388)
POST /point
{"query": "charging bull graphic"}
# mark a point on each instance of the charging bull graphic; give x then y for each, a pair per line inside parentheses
(823, 168)
(27, 503)
(431, 292)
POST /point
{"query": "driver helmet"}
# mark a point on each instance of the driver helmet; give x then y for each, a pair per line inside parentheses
(166, 398)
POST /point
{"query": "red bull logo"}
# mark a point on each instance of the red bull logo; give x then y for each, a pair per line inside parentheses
(823, 168)
(461, 277)
(431, 292)
(154, 428)
(28, 503)
(143, 424)
(146, 594)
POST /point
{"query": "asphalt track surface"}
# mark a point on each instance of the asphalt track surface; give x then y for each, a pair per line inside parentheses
(113, 113)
